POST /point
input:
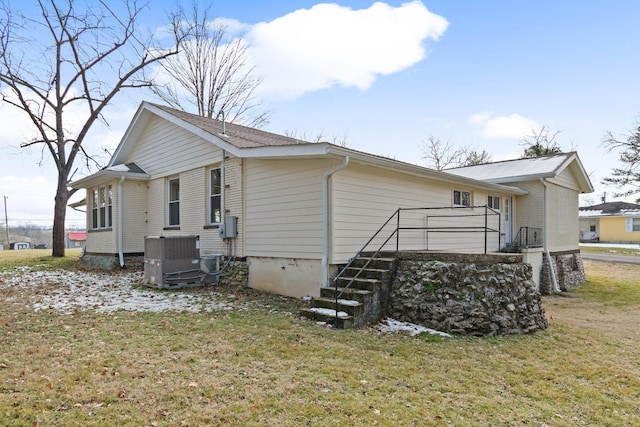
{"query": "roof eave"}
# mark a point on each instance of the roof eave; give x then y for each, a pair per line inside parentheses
(103, 176)
(423, 171)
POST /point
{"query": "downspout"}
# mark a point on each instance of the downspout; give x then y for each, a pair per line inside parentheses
(556, 288)
(119, 233)
(325, 219)
(223, 186)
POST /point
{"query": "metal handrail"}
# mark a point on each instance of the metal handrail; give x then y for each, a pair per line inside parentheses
(396, 233)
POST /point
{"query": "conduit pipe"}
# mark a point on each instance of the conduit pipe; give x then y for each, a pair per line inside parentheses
(119, 233)
(556, 288)
(325, 219)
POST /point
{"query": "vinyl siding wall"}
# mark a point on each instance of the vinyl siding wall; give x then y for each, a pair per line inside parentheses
(134, 215)
(563, 233)
(102, 241)
(194, 210)
(283, 213)
(365, 197)
(165, 149)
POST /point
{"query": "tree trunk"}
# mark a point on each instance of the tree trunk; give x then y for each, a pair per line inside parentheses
(59, 215)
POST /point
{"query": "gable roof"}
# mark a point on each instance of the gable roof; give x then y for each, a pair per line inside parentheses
(529, 169)
(610, 209)
(244, 142)
(129, 171)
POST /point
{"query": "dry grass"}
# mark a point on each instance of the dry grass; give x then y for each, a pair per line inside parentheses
(264, 366)
(10, 258)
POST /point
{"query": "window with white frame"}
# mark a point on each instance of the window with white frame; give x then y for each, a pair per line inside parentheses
(215, 196)
(101, 207)
(109, 206)
(633, 224)
(493, 202)
(461, 198)
(174, 202)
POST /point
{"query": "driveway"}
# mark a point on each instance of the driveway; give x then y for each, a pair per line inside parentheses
(623, 259)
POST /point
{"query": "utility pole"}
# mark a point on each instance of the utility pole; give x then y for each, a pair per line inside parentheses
(6, 222)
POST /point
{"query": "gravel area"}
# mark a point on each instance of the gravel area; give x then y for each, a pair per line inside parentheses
(66, 291)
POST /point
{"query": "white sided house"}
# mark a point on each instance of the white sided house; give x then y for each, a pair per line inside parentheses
(546, 217)
(298, 210)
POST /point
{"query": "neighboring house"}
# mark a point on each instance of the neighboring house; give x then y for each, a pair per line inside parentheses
(301, 208)
(20, 245)
(612, 222)
(76, 239)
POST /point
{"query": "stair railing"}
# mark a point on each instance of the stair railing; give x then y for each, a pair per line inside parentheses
(396, 232)
(357, 255)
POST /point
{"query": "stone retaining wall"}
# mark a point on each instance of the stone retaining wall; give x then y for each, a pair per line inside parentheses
(111, 262)
(467, 294)
(569, 272)
(237, 274)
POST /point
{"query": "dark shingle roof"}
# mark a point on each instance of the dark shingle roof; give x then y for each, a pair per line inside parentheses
(236, 135)
(612, 207)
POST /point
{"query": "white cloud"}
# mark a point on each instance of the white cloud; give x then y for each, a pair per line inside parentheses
(512, 126)
(328, 44)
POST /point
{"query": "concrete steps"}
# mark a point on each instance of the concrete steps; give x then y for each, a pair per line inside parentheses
(362, 291)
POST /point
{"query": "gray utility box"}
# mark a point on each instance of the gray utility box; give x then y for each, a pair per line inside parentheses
(167, 255)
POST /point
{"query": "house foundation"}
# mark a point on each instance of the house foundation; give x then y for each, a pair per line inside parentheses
(467, 294)
(569, 271)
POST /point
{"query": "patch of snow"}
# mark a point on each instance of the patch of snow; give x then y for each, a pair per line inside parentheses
(612, 245)
(348, 302)
(392, 325)
(329, 312)
(67, 291)
(307, 298)
(119, 168)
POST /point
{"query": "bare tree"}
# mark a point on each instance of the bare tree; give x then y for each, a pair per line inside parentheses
(69, 60)
(443, 155)
(341, 140)
(627, 176)
(211, 73)
(541, 142)
(472, 157)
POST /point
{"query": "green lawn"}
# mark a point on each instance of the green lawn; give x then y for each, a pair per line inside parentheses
(264, 366)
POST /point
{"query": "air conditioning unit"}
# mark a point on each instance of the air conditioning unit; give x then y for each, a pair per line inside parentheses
(171, 261)
(210, 265)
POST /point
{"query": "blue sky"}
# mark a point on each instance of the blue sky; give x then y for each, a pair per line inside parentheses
(386, 76)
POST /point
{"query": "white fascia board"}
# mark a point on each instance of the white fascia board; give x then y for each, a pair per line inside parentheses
(570, 161)
(106, 175)
(215, 139)
(143, 114)
(133, 131)
(423, 172)
(286, 151)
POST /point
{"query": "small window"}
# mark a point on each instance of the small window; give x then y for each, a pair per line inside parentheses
(94, 209)
(101, 207)
(109, 206)
(174, 202)
(215, 197)
(635, 226)
(461, 198)
(592, 228)
(493, 202)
